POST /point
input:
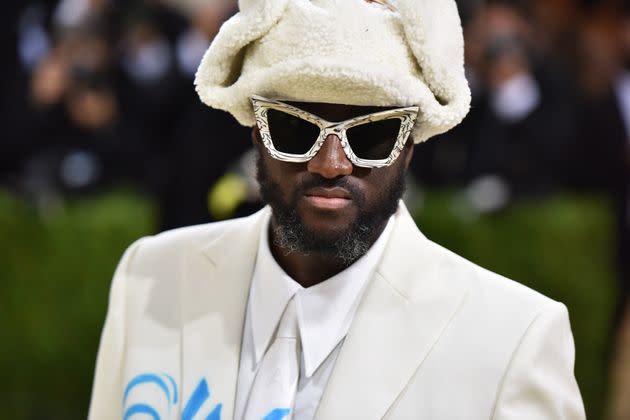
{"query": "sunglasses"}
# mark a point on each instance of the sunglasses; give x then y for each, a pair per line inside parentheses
(291, 134)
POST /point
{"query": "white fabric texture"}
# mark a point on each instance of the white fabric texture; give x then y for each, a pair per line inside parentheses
(434, 337)
(324, 312)
(341, 51)
(276, 381)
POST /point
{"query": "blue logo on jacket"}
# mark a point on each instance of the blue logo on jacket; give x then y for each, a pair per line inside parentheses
(168, 386)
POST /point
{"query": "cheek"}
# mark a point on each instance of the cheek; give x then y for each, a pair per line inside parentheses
(372, 185)
(284, 175)
(380, 182)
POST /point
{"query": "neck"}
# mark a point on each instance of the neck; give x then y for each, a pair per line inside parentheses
(313, 268)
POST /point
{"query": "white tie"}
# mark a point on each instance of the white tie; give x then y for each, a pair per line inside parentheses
(273, 392)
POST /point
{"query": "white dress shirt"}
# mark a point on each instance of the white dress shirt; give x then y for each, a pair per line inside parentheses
(324, 311)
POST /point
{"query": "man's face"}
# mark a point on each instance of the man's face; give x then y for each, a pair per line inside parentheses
(328, 206)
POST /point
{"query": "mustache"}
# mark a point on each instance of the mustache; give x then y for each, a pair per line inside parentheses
(317, 181)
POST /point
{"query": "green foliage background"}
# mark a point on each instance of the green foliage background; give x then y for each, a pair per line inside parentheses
(55, 271)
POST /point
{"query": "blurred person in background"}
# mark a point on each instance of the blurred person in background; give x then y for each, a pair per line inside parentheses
(195, 162)
(12, 149)
(603, 158)
(555, 27)
(148, 82)
(159, 53)
(25, 42)
(108, 103)
(79, 139)
(513, 142)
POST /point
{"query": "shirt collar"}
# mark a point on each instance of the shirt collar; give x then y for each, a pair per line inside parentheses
(324, 311)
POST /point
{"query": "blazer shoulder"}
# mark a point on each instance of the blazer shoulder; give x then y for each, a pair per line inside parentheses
(168, 247)
(488, 288)
(416, 266)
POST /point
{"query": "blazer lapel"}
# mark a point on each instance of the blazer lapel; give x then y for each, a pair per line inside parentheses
(404, 311)
(214, 299)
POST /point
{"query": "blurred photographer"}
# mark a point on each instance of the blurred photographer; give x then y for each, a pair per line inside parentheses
(513, 142)
(82, 141)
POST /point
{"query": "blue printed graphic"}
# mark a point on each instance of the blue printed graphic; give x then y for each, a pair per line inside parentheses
(168, 386)
(150, 378)
(174, 385)
(277, 414)
(216, 413)
(198, 397)
(141, 409)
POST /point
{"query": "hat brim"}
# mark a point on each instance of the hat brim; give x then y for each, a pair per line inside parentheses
(325, 81)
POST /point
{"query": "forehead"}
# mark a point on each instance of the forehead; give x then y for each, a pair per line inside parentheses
(337, 112)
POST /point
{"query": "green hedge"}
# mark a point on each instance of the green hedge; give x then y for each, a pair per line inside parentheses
(55, 274)
(55, 270)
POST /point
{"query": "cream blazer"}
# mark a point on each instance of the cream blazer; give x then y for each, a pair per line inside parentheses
(435, 336)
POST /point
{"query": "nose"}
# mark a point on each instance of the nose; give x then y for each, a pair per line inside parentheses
(330, 161)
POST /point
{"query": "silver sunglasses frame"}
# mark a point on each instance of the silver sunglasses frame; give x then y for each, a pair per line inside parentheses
(407, 115)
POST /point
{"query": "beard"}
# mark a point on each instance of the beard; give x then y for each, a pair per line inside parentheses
(348, 244)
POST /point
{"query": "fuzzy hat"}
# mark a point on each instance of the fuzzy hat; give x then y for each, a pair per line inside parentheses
(354, 52)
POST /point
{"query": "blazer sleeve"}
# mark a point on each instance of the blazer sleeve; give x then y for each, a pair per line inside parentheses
(539, 382)
(107, 392)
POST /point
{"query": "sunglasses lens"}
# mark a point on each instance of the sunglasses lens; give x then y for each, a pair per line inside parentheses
(291, 134)
(374, 140)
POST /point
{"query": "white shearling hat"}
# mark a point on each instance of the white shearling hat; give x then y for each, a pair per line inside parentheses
(354, 52)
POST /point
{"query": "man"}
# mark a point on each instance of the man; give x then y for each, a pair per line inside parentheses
(329, 303)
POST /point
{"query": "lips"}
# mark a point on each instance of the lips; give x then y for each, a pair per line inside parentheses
(335, 192)
(328, 198)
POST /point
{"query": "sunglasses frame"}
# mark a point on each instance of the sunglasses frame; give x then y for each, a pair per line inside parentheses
(406, 115)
